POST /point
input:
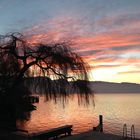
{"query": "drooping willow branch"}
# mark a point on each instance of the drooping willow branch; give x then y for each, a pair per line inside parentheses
(51, 62)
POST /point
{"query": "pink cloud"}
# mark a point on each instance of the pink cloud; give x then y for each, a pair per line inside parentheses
(101, 47)
(107, 40)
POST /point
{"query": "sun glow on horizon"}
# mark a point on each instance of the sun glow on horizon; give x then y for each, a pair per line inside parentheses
(99, 75)
(118, 74)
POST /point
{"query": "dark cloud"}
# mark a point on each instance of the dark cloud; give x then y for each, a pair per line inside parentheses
(125, 20)
(122, 48)
(90, 52)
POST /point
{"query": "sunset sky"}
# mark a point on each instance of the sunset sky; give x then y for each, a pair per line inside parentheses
(106, 33)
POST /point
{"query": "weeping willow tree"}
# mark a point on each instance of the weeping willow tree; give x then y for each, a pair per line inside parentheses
(48, 68)
(20, 60)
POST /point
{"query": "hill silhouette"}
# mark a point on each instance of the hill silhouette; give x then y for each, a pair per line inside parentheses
(110, 87)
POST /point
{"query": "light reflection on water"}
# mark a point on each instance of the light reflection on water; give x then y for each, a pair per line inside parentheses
(116, 109)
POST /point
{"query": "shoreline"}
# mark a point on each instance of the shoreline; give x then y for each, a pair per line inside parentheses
(88, 135)
(93, 135)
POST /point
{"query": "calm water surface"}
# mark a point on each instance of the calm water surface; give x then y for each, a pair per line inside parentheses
(116, 109)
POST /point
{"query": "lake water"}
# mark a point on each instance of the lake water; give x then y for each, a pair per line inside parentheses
(117, 109)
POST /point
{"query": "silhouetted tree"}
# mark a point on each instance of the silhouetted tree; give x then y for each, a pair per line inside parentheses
(20, 60)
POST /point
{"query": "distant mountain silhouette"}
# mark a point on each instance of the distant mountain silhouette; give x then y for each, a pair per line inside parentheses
(109, 87)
